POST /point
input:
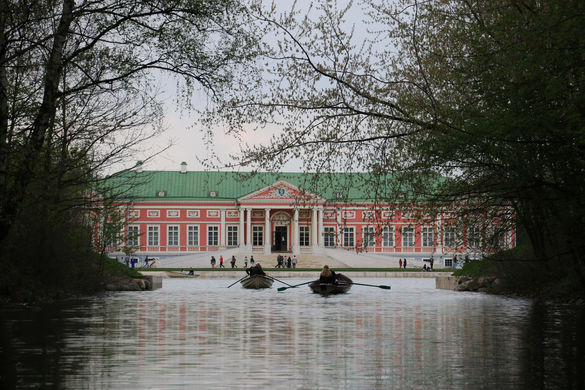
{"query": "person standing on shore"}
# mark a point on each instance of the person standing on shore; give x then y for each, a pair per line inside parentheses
(400, 263)
(233, 262)
(221, 262)
(404, 263)
(294, 261)
(212, 261)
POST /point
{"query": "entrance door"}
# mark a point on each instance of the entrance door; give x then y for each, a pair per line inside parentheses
(280, 238)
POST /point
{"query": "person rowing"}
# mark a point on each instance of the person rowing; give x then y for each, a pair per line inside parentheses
(328, 275)
(255, 270)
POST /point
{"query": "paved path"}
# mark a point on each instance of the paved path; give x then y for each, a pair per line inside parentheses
(335, 258)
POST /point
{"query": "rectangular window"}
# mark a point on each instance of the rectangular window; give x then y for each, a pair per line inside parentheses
(193, 235)
(448, 262)
(173, 235)
(153, 235)
(473, 237)
(427, 237)
(348, 237)
(304, 234)
(449, 239)
(369, 236)
(388, 236)
(133, 235)
(329, 236)
(498, 240)
(257, 235)
(232, 236)
(408, 237)
(212, 235)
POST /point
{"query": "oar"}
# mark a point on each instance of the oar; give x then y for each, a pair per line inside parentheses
(279, 281)
(372, 285)
(237, 281)
(296, 285)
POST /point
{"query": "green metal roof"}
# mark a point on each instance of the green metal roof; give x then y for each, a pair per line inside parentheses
(147, 185)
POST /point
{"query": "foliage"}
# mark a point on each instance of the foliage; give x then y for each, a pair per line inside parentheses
(485, 93)
(79, 92)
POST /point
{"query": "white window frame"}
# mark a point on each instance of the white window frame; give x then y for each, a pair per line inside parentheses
(232, 235)
(258, 235)
(153, 235)
(450, 236)
(473, 237)
(212, 235)
(348, 237)
(388, 238)
(192, 235)
(369, 236)
(173, 237)
(427, 236)
(407, 236)
(329, 236)
(133, 235)
(304, 235)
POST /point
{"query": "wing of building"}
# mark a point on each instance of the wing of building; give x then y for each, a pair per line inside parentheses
(179, 212)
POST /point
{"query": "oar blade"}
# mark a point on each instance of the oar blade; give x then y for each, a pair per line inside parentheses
(384, 287)
(281, 288)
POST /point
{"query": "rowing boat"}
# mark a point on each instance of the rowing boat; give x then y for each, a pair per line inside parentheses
(176, 274)
(257, 282)
(341, 286)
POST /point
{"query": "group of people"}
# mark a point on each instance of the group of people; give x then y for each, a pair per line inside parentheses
(402, 263)
(232, 261)
(288, 263)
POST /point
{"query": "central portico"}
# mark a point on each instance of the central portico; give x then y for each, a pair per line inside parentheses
(281, 218)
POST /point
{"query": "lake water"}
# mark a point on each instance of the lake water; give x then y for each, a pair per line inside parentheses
(196, 333)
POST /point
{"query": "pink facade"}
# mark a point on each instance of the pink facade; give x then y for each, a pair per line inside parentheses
(280, 218)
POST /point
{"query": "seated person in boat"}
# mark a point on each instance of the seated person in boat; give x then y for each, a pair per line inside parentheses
(191, 271)
(255, 270)
(328, 275)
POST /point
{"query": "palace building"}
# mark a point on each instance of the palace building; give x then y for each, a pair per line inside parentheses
(170, 213)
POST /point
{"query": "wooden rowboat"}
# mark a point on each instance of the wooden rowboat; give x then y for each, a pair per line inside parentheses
(257, 282)
(342, 286)
(177, 274)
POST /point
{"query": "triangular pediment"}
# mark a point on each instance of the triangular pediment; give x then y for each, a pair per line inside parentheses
(281, 191)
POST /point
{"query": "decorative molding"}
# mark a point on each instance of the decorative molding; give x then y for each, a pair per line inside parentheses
(192, 213)
(232, 213)
(329, 214)
(134, 214)
(388, 214)
(212, 213)
(152, 213)
(173, 213)
(257, 213)
(348, 214)
(304, 214)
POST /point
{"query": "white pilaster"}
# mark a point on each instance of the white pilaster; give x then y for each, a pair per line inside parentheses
(249, 230)
(314, 230)
(321, 236)
(267, 232)
(241, 229)
(296, 240)
(222, 229)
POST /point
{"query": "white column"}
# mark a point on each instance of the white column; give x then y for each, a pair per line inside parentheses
(222, 228)
(295, 244)
(314, 228)
(241, 229)
(267, 232)
(321, 228)
(339, 228)
(249, 231)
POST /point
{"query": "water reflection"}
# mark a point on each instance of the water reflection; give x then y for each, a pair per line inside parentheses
(198, 333)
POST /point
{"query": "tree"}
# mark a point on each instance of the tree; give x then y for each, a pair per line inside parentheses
(78, 93)
(485, 94)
